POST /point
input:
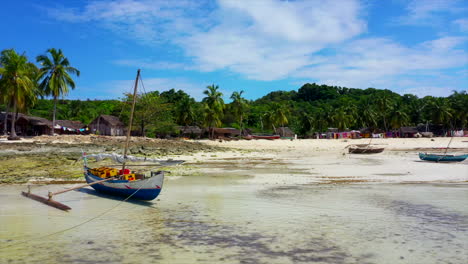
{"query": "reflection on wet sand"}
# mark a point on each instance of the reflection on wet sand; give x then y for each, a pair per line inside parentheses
(276, 213)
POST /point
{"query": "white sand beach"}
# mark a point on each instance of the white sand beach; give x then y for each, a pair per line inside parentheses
(328, 161)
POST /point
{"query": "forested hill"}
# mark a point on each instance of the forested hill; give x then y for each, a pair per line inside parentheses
(311, 108)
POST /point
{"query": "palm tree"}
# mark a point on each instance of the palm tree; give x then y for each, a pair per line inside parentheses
(185, 112)
(341, 118)
(17, 83)
(55, 76)
(399, 118)
(385, 105)
(214, 106)
(441, 112)
(279, 115)
(239, 106)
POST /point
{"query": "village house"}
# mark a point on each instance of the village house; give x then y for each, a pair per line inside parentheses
(190, 131)
(107, 125)
(69, 127)
(221, 133)
(27, 125)
(285, 132)
(408, 132)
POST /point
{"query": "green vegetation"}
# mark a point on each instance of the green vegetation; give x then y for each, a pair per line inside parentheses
(312, 108)
(55, 76)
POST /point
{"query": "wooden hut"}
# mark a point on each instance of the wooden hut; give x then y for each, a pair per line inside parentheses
(408, 132)
(69, 127)
(107, 125)
(226, 132)
(190, 131)
(285, 132)
(27, 125)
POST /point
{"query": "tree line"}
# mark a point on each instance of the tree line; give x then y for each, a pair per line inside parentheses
(312, 108)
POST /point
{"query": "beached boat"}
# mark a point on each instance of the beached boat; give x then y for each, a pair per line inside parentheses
(365, 149)
(123, 182)
(269, 137)
(442, 157)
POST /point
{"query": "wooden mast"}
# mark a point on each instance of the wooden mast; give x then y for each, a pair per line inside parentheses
(131, 120)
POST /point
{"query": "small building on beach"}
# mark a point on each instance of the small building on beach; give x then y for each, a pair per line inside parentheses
(190, 131)
(107, 125)
(226, 132)
(27, 125)
(284, 132)
(408, 132)
(69, 127)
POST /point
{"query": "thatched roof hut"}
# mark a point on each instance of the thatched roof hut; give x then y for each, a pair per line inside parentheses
(107, 125)
(69, 127)
(408, 131)
(190, 131)
(285, 132)
(27, 125)
(226, 132)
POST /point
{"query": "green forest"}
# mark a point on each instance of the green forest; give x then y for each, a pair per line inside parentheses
(312, 108)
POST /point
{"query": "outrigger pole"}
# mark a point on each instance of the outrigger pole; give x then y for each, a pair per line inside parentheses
(56, 204)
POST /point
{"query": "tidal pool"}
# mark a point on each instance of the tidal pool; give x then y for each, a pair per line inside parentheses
(229, 218)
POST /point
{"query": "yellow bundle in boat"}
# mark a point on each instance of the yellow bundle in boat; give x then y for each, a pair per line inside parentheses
(129, 177)
(104, 172)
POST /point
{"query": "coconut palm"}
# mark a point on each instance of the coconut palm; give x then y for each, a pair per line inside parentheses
(399, 118)
(385, 105)
(279, 115)
(185, 112)
(17, 83)
(55, 76)
(239, 106)
(441, 111)
(341, 118)
(213, 106)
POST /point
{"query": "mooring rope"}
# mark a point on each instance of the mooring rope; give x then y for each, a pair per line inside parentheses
(75, 226)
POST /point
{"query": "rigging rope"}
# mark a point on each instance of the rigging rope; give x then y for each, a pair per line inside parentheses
(75, 226)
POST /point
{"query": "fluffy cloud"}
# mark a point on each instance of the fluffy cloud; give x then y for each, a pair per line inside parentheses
(272, 39)
(427, 12)
(382, 62)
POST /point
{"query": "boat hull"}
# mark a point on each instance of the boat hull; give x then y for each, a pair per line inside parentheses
(266, 137)
(442, 158)
(359, 150)
(146, 189)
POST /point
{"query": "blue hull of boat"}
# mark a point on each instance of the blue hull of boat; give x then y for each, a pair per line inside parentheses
(442, 158)
(139, 194)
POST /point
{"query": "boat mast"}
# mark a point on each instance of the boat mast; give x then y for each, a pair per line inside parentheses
(131, 121)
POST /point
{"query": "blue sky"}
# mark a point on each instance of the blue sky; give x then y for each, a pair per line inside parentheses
(259, 46)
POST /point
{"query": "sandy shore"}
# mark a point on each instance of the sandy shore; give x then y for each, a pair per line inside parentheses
(302, 201)
(306, 160)
(328, 161)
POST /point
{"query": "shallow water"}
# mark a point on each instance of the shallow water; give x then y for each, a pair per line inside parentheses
(229, 216)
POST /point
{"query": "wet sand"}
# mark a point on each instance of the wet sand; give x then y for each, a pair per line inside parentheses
(263, 206)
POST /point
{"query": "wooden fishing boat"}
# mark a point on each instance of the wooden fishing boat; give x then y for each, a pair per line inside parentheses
(269, 137)
(442, 157)
(365, 149)
(127, 183)
(124, 182)
(141, 189)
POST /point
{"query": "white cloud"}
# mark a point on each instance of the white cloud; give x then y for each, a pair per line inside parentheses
(462, 24)
(427, 12)
(381, 62)
(262, 39)
(273, 39)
